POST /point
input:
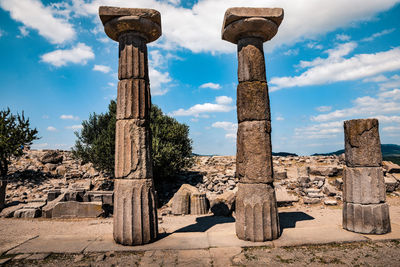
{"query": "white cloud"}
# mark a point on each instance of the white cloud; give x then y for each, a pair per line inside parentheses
(39, 146)
(280, 118)
(323, 108)
(23, 31)
(214, 86)
(314, 45)
(336, 68)
(102, 68)
(111, 84)
(157, 81)
(222, 105)
(79, 54)
(378, 34)
(229, 127)
(69, 117)
(366, 106)
(291, 52)
(319, 131)
(74, 127)
(199, 28)
(51, 129)
(379, 78)
(393, 82)
(342, 37)
(34, 15)
(391, 129)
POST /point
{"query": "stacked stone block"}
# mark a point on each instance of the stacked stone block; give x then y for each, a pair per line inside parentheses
(135, 214)
(256, 208)
(364, 207)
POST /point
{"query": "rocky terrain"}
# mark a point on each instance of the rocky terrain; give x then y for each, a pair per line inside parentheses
(42, 178)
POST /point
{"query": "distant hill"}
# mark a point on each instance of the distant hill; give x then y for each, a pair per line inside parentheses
(283, 154)
(390, 152)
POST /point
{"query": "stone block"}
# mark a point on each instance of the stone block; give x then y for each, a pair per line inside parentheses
(391, 167)
(224, 204)
(198, 204)
(181, 203)
(254, 155)
(253, 101)
(362, 143)
(251, 65)
(74, 195)
(133, 100)
(116, 21)
(52, 156)
(74, 209)
(106, 197)
(132, 150)
(242, 22)
(47, 211)
(366, 219)
(133, 62)
(27, 213)
(53, 194)
(363, 185)
(256, 213)
(135, 213)
(391, 183)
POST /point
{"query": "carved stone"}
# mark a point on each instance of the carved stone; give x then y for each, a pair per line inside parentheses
(366, 219)
(364, 185)
(132, 150)
(198, 204)
(254, 155)
(252, 101)
(362, 143)
(256, 213)
(133, 62)
(133, 100)
(135, 214)
(251, 65)
(181, 203)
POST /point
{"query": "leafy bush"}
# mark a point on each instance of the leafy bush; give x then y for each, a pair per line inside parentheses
(171, 145)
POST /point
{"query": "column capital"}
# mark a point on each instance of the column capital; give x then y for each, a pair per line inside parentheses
(144, 22)
(243, 22)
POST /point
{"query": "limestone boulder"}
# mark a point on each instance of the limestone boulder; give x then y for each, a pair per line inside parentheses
(224, 204)
(52, 156)
(391, 183)
(74, 209)
(391, 167)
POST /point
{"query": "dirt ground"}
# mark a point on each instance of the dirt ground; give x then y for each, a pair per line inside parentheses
(348, 254)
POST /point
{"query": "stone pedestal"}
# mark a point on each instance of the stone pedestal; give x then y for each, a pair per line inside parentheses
(135, 213)
(256, 212)
(364, 194)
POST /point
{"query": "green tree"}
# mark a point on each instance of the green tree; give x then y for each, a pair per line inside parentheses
(171, 145)
(15, 134)
(96, 141)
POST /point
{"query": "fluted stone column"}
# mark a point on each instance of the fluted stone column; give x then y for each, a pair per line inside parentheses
(364, 207)
(135, 214)
(256, 208)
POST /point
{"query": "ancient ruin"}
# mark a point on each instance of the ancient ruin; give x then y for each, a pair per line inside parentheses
(135, 214)
(256, 208)
(364, 193)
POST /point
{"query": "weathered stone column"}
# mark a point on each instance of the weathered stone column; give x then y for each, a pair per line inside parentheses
(256, 209)
(364, 207)
(135, 213)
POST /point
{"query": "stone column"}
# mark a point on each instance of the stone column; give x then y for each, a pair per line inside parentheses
(135, 213)
(364, 207)
(256, 208)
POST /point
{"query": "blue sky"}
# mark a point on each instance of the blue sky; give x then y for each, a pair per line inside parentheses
(330, 61)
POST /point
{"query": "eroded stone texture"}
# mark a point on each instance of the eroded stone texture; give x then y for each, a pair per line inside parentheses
(242, 22)
(364, 185)
(254, 155)
(3, 186)
(362, 143)
(132, 150)
(251, 65)
(366, 219)
(198, 204)
(74, 209)
(135, 214)
(133, 100)
(256, 213)
(252, 101)
(133, 62)
(181, 203)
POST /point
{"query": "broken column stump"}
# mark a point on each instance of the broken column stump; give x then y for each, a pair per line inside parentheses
(364, 193)
(135, 213)
(256, 208)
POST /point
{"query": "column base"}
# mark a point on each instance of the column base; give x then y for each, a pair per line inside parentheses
(135, 212)
(198, 204)
(366, 219)
(256, 213)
